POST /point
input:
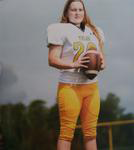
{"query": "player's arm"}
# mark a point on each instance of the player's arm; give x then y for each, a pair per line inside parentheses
(102, 55)
(55, 60)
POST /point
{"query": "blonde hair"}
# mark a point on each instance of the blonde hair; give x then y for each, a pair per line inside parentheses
(86, 21)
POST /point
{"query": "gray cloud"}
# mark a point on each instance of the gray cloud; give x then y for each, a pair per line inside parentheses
(10, 91)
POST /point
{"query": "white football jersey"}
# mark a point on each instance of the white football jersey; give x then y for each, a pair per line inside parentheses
(75, 44)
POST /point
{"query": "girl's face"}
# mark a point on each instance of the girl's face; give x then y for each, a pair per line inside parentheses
(76, 13)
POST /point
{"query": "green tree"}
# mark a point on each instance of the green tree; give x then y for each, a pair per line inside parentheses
(124, 133)
(39, 137)
(12, 124)
(53, 124)
(110, 109)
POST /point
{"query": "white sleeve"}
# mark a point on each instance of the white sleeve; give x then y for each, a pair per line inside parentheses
(101, 34)
(55, 34)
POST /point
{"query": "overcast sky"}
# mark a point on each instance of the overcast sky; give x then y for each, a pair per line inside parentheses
(24, 71)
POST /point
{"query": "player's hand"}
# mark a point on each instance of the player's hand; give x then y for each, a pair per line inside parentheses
(81, 62)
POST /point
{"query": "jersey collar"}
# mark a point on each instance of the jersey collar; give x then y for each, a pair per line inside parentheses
(82, 26)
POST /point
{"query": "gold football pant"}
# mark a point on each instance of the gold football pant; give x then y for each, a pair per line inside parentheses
(75, 100)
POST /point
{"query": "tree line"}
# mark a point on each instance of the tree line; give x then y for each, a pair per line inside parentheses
(36, 126)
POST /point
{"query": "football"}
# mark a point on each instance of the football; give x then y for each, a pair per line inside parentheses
(94, 64)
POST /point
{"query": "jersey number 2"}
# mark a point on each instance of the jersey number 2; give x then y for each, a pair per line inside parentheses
(79, 47)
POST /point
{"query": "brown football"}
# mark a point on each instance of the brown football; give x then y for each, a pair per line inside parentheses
(94, 64)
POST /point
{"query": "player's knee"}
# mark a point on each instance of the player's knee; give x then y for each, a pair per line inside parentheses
(69, 139)
(66, 134)
(89, 133)
(89, 138)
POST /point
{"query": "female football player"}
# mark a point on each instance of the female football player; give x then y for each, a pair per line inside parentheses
(68, 42)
